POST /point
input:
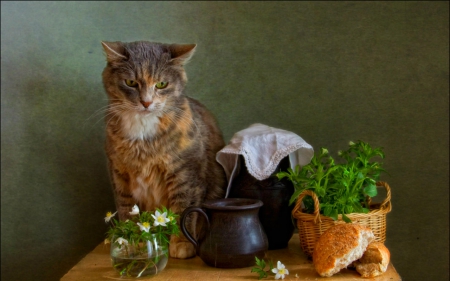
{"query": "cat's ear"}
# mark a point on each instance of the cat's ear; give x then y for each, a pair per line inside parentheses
(181, 54)
(114, 51)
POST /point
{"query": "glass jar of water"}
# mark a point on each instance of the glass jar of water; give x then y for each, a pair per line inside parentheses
(142, 259)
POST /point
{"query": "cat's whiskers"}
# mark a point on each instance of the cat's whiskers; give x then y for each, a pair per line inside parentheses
(180, 113)
(107, 110)
(173, 119)
(117, 110)
(109, 116)
(180, 117)
(97, 112)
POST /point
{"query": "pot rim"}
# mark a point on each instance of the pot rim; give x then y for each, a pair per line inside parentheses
(232, 204)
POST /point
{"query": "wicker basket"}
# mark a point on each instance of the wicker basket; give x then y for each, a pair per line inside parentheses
(311, 226)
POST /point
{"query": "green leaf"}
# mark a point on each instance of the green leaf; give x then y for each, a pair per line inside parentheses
(259, 269)
(327, 211)
(370, 190)
(260, 262)
(360, 176)
(348, 209)
(295, 195)
(261, 273)
(357, 207)
(334, 215)
(281, 175)
(346, 219)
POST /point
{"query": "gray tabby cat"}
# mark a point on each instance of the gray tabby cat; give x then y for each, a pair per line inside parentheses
(161, 144)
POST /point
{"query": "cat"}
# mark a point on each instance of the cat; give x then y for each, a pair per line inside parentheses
(160, 144)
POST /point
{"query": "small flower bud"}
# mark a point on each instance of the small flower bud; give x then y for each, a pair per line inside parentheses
(134, 210)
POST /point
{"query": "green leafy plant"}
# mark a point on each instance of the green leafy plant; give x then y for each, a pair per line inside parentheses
(280, 271)
(260, 268)
(141, 240)
(341, 188)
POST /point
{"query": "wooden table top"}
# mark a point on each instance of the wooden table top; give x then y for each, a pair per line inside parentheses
(97, 266)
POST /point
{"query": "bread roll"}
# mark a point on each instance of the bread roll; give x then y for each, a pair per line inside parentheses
(339, 246)
(375, 260)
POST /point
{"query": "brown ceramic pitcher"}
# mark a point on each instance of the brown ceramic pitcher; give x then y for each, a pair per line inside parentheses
(234, 234)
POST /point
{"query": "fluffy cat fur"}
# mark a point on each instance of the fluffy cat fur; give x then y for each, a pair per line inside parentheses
(161, 144)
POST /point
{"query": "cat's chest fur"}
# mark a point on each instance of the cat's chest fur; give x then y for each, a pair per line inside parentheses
(149, 188)
(139, 153)
(139, 126)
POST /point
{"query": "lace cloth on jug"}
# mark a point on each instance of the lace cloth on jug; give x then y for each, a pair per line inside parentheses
(263, 148)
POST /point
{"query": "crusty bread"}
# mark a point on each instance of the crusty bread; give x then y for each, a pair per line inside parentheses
(339, 246)
(375, 260)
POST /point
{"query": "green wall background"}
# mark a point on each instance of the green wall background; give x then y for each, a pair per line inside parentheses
(329, 71)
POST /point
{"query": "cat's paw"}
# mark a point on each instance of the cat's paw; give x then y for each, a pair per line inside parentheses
(181, 249)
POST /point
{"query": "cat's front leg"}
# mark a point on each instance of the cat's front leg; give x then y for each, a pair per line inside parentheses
(122, 193)
(180, 247)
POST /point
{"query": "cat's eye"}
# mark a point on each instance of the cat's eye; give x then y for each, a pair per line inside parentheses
(131, 83)
(161, 85)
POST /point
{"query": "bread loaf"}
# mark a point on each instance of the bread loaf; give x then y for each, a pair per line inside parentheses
(339, 246)
(375, 260)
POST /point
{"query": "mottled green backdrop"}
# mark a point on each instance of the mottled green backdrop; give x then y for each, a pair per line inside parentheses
(329, 71)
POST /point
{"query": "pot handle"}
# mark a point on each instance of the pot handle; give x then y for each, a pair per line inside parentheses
(184, 215)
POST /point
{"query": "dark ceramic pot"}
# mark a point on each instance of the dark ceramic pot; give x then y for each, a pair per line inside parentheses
(234, 235)
(275, 214)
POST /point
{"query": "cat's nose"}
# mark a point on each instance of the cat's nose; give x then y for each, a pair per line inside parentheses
(146, 104)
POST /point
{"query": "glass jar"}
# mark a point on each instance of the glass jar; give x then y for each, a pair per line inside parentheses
(142, 259)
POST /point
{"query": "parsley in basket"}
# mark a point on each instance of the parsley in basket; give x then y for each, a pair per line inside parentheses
(340, 188)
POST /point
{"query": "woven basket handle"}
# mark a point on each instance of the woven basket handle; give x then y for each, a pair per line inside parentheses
(298, 204)
(388, 194)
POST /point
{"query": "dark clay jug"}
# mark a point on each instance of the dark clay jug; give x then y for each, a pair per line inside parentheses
(234, 234)
(275, 214)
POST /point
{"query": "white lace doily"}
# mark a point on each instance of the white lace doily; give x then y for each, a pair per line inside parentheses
(263, 148)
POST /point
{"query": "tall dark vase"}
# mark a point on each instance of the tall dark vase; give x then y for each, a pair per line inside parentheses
(275, 214)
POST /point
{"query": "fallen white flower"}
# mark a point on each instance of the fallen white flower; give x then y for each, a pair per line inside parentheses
(280, 271)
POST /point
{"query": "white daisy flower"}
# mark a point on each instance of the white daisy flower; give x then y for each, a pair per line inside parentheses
(144, 226)
(160, 219)
(109, 215)
(280, 271)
